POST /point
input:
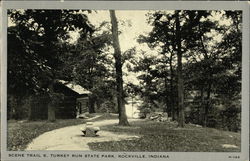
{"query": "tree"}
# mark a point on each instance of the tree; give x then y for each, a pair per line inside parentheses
(178, 34)
(118, 67)
(181, 118)
(50, 28)
(90, 67)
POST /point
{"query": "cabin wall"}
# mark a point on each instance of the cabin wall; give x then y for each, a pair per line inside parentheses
(82, 104)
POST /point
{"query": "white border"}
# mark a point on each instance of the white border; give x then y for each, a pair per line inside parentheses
(134, 5)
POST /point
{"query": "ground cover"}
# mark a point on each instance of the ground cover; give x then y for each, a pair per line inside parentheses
(154, 136)
(164, 136)
(21, 133)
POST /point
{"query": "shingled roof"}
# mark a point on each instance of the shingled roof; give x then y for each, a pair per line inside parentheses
(75, 87)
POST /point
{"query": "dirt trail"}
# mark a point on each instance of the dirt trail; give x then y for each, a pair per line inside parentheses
(70, 138)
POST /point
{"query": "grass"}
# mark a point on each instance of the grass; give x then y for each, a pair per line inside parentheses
(21, 133)
(165, 137)
(155, 136)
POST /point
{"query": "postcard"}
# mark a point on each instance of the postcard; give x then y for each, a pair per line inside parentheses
(125, 80)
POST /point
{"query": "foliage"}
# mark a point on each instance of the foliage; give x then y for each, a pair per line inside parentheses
(211, 68)
(193, 46)
(91, 66)
(36, 49)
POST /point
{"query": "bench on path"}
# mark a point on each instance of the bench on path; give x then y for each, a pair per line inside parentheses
(89, 130)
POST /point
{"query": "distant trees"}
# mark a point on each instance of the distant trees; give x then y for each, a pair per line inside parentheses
(91, 67)
(195, 50)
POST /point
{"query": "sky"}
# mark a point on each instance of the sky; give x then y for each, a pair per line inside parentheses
(136, 19)
(131, 24)
(135, 25)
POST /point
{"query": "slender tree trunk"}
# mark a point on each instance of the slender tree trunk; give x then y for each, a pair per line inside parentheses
(181, 118)
(98, 104)
(201, 120)
(207, 105)
(51, 106)
(167, 97)
(172, 88)
(209, 76)
(31, 108)
(118, 66)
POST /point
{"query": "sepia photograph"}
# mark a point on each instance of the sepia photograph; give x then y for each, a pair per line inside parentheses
(113, 80)
(172, 82)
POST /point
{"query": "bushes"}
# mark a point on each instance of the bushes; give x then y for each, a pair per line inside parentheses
(107, 107)
(145, 109)
(230, 119)
(220, 117)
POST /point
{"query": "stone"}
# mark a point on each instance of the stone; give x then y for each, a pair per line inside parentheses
(229, 146)
(89, 130)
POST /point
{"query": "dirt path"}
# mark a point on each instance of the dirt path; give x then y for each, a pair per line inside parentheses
(70, 138)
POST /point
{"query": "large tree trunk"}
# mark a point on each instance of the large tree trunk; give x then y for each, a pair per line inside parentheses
(51, 75)
(118, 66)
(181, 118)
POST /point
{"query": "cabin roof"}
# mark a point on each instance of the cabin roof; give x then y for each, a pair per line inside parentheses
(75, 87)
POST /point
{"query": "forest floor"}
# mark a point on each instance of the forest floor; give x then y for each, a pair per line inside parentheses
(166, 137)
(142, 135)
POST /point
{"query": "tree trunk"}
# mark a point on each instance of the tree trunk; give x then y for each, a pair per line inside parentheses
(181, 118)
(201, 120)
(118, 66)
(207, 104)
(98, 104)
(167, 97)
(51, 106)
(172, 88)
(31, 108)
(51, 113)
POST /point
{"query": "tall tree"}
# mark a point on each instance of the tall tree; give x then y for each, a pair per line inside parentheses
(162, 38)
(118, 67)
(181, 118)
(175, 34)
